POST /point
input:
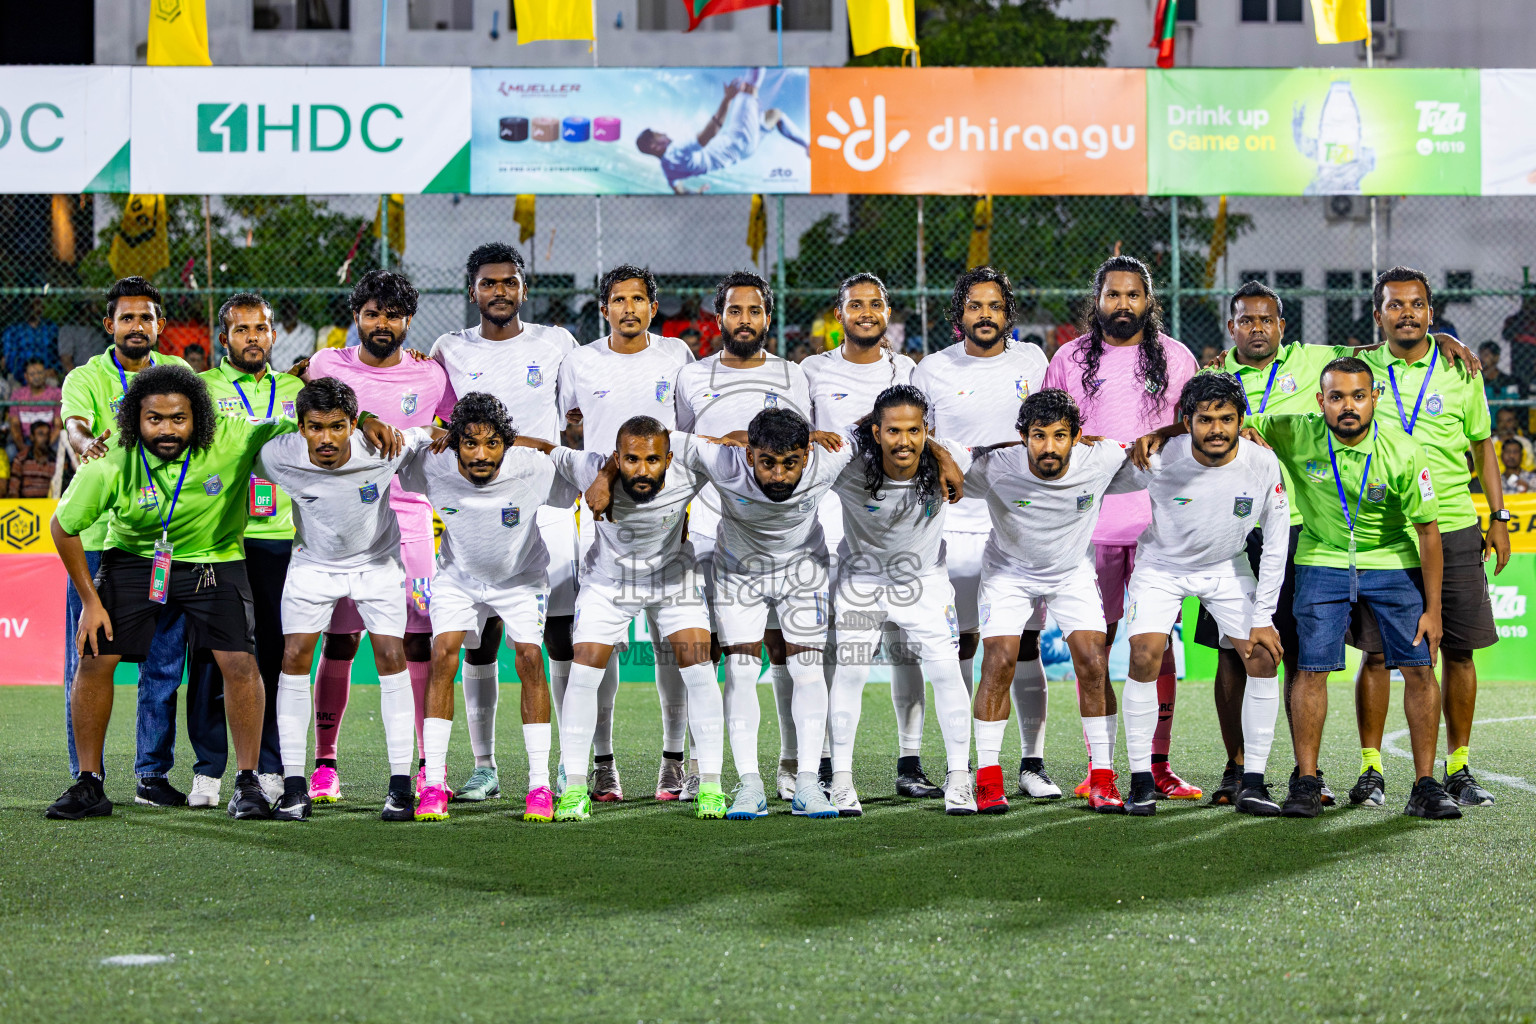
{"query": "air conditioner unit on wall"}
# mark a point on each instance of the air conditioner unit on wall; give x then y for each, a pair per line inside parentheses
(1352, 209)
(1387, 42)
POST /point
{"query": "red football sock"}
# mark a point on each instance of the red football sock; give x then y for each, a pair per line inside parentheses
(1166, 688)
(333, 684)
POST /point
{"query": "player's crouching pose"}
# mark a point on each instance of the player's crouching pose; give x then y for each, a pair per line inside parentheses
(891, 570)
(347, 546)
(1209, 489)
(640, 561)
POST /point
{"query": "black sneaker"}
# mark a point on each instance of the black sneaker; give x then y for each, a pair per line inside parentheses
(1255, 800)
(915, 783)
(158, 792)
(1430, 800)
(1305, 799)
(1463, 788)
(294, 804)
(1142, 800)
(398, 805)
(1231, 782)
(249, 803)
(85, 799)
(1370, 789)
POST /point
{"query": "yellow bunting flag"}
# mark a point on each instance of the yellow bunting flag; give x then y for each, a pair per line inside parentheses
(1340, 21)
(396, 214)
(523, 217)
(980, 252)
(757, 227)
(876, 24)
(553, 19)
(1218, 243)
(178, 33)
(140, 248)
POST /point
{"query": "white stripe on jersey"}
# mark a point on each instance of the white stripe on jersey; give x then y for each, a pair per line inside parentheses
(523, 372)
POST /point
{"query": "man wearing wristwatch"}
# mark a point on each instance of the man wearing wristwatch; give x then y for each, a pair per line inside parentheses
(1445, 410)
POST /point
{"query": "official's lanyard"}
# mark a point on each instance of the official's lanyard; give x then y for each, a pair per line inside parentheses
(1349, 520)
(121, 375)
(1409, 424)
(271, 397)
(165, 520)
(1274, 368)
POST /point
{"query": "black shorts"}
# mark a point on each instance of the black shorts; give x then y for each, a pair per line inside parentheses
(1466, 610)
(220, 616)
(1208, 634)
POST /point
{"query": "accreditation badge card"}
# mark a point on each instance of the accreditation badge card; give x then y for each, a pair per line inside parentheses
(160, 571)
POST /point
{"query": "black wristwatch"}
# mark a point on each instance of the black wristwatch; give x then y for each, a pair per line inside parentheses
(1501, 516)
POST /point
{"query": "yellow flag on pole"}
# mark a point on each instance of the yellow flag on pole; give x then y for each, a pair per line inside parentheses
(140, 248)
(178, 33)
(757, 227)
(980, 251)
(523, 217)
(1340, 21)
(553, 19)
(1218, 243)
(396, 221)
(875, 24)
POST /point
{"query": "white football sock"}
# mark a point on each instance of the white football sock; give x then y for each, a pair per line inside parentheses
(784, 700)
(843, 707)
(578, 720)
(1100, 733)
(954, 712)
(397, 707)
(434, 742)
(1261, 703)
(742, 713)
(1029, 697)
(294, 711)
(673, 693)
(968, 675)
(810, 704)
(989, 741)
(909, 700)
(607, 693)
(536, 738)
(559, 673)
(706, 716)
(1138, 702)
(481, 692)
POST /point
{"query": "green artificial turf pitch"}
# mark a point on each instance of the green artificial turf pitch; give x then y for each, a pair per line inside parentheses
(647, 914)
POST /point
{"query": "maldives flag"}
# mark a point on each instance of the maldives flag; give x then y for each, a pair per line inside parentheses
(1162, 31)
(698, 10)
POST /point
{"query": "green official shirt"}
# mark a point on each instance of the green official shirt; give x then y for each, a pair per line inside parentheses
(1399, 492)
(1287, 385)
(1452, 417)
(93, 391)
(243, 400)
(209, 517)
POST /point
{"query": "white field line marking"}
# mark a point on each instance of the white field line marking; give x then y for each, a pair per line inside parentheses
(137, 960)
(1389, 745)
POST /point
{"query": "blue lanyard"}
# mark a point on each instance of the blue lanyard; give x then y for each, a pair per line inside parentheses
(1409, 424)
(1349, 520)
(165, 520)
(121, 376)
(1274, 368)
(271, 397)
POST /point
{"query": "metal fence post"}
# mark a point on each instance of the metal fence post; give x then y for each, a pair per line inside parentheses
(779, 274)
(1174, 283)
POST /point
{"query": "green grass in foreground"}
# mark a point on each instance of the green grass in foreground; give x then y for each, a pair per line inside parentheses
(645, 913)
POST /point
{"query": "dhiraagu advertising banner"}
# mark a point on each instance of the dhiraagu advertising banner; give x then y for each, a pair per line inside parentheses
(1314, 131)
(633, 130)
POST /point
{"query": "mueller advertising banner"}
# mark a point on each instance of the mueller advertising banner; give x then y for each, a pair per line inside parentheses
(63, 129)
(301, 130)
(1314, 131)
(960, 131)
(640, 130)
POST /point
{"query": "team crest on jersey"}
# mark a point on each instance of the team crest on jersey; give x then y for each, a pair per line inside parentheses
(1021, 387)
(1377, 492)
(669, 520)
(535, 377)
(213, 485)
(511, 516)
(663, 390)
(770, 400)
(1435, 405)
(112, 405)
(148, 496)
(290, 410)
(369, 493)
(1084, 502)
(930, 508)
(1287, 383)
(408, 403)
(807, 505)
(1242, 508)
(1314, 471)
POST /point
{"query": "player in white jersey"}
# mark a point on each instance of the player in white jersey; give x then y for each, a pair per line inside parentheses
(718, 396)
(974, 388)
(348, 546)
(518, 363)
(1209, 490)
(631, 372)
(1044, 501)
(844, 383)
(891, 570)
(491, 563)
(641, 562)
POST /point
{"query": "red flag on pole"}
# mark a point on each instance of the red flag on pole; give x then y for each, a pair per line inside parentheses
(698, 10)
(1163, 31)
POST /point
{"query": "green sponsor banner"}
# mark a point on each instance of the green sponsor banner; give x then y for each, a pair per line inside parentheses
(1313, 131)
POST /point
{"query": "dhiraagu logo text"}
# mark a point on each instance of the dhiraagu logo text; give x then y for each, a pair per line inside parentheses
(315, 127)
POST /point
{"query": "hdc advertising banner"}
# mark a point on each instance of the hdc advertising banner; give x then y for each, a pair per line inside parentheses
(640, 130)
(973, 131)
(1313, 131)
(301, 130)
(63, 129)
(1509, 153)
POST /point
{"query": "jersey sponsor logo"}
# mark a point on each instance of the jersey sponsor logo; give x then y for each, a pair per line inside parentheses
(1314, 471)
(148, 496)
(600, 394)
(213, 485)
(1182, 501)
(229, 407)
(448, 510)
(535, 376)
(1023, 502)
(871, 508)
(309, 499)
(408, 403)
(1242, 508)
(1434, 405)
(476, 375)
(838, 396)
(663, 390)
(1287, 383)
(369, 493)
(511, 516)
(1376, 491)
(1426, 485)
(962, 394)
(1084, 502)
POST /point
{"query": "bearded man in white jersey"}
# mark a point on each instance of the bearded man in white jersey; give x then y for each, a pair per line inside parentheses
(844, 383)
(1208, 490)
(974, 389)
(1044, 500)
(519, 364)
(630, 372)
(718, 396)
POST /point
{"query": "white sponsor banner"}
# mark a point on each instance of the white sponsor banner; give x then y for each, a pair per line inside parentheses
(63, 129)
(1509, 144)
(301, 130)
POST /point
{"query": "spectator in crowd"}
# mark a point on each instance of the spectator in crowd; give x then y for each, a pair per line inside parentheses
(182, 331)
(1443, 323)
(1520, 335)
(291, 340)
(688, 317)
(36, 388)
(1513, 458)
(80, 340)
(1209, 353)
(342, 333)
(32, 472)
(196, 357)
(1506, 423)
(34, 338)
(1496, 383)
(799, 352)
(896, 332)
(695, 342)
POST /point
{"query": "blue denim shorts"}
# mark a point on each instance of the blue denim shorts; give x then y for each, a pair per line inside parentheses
(1322, 608)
